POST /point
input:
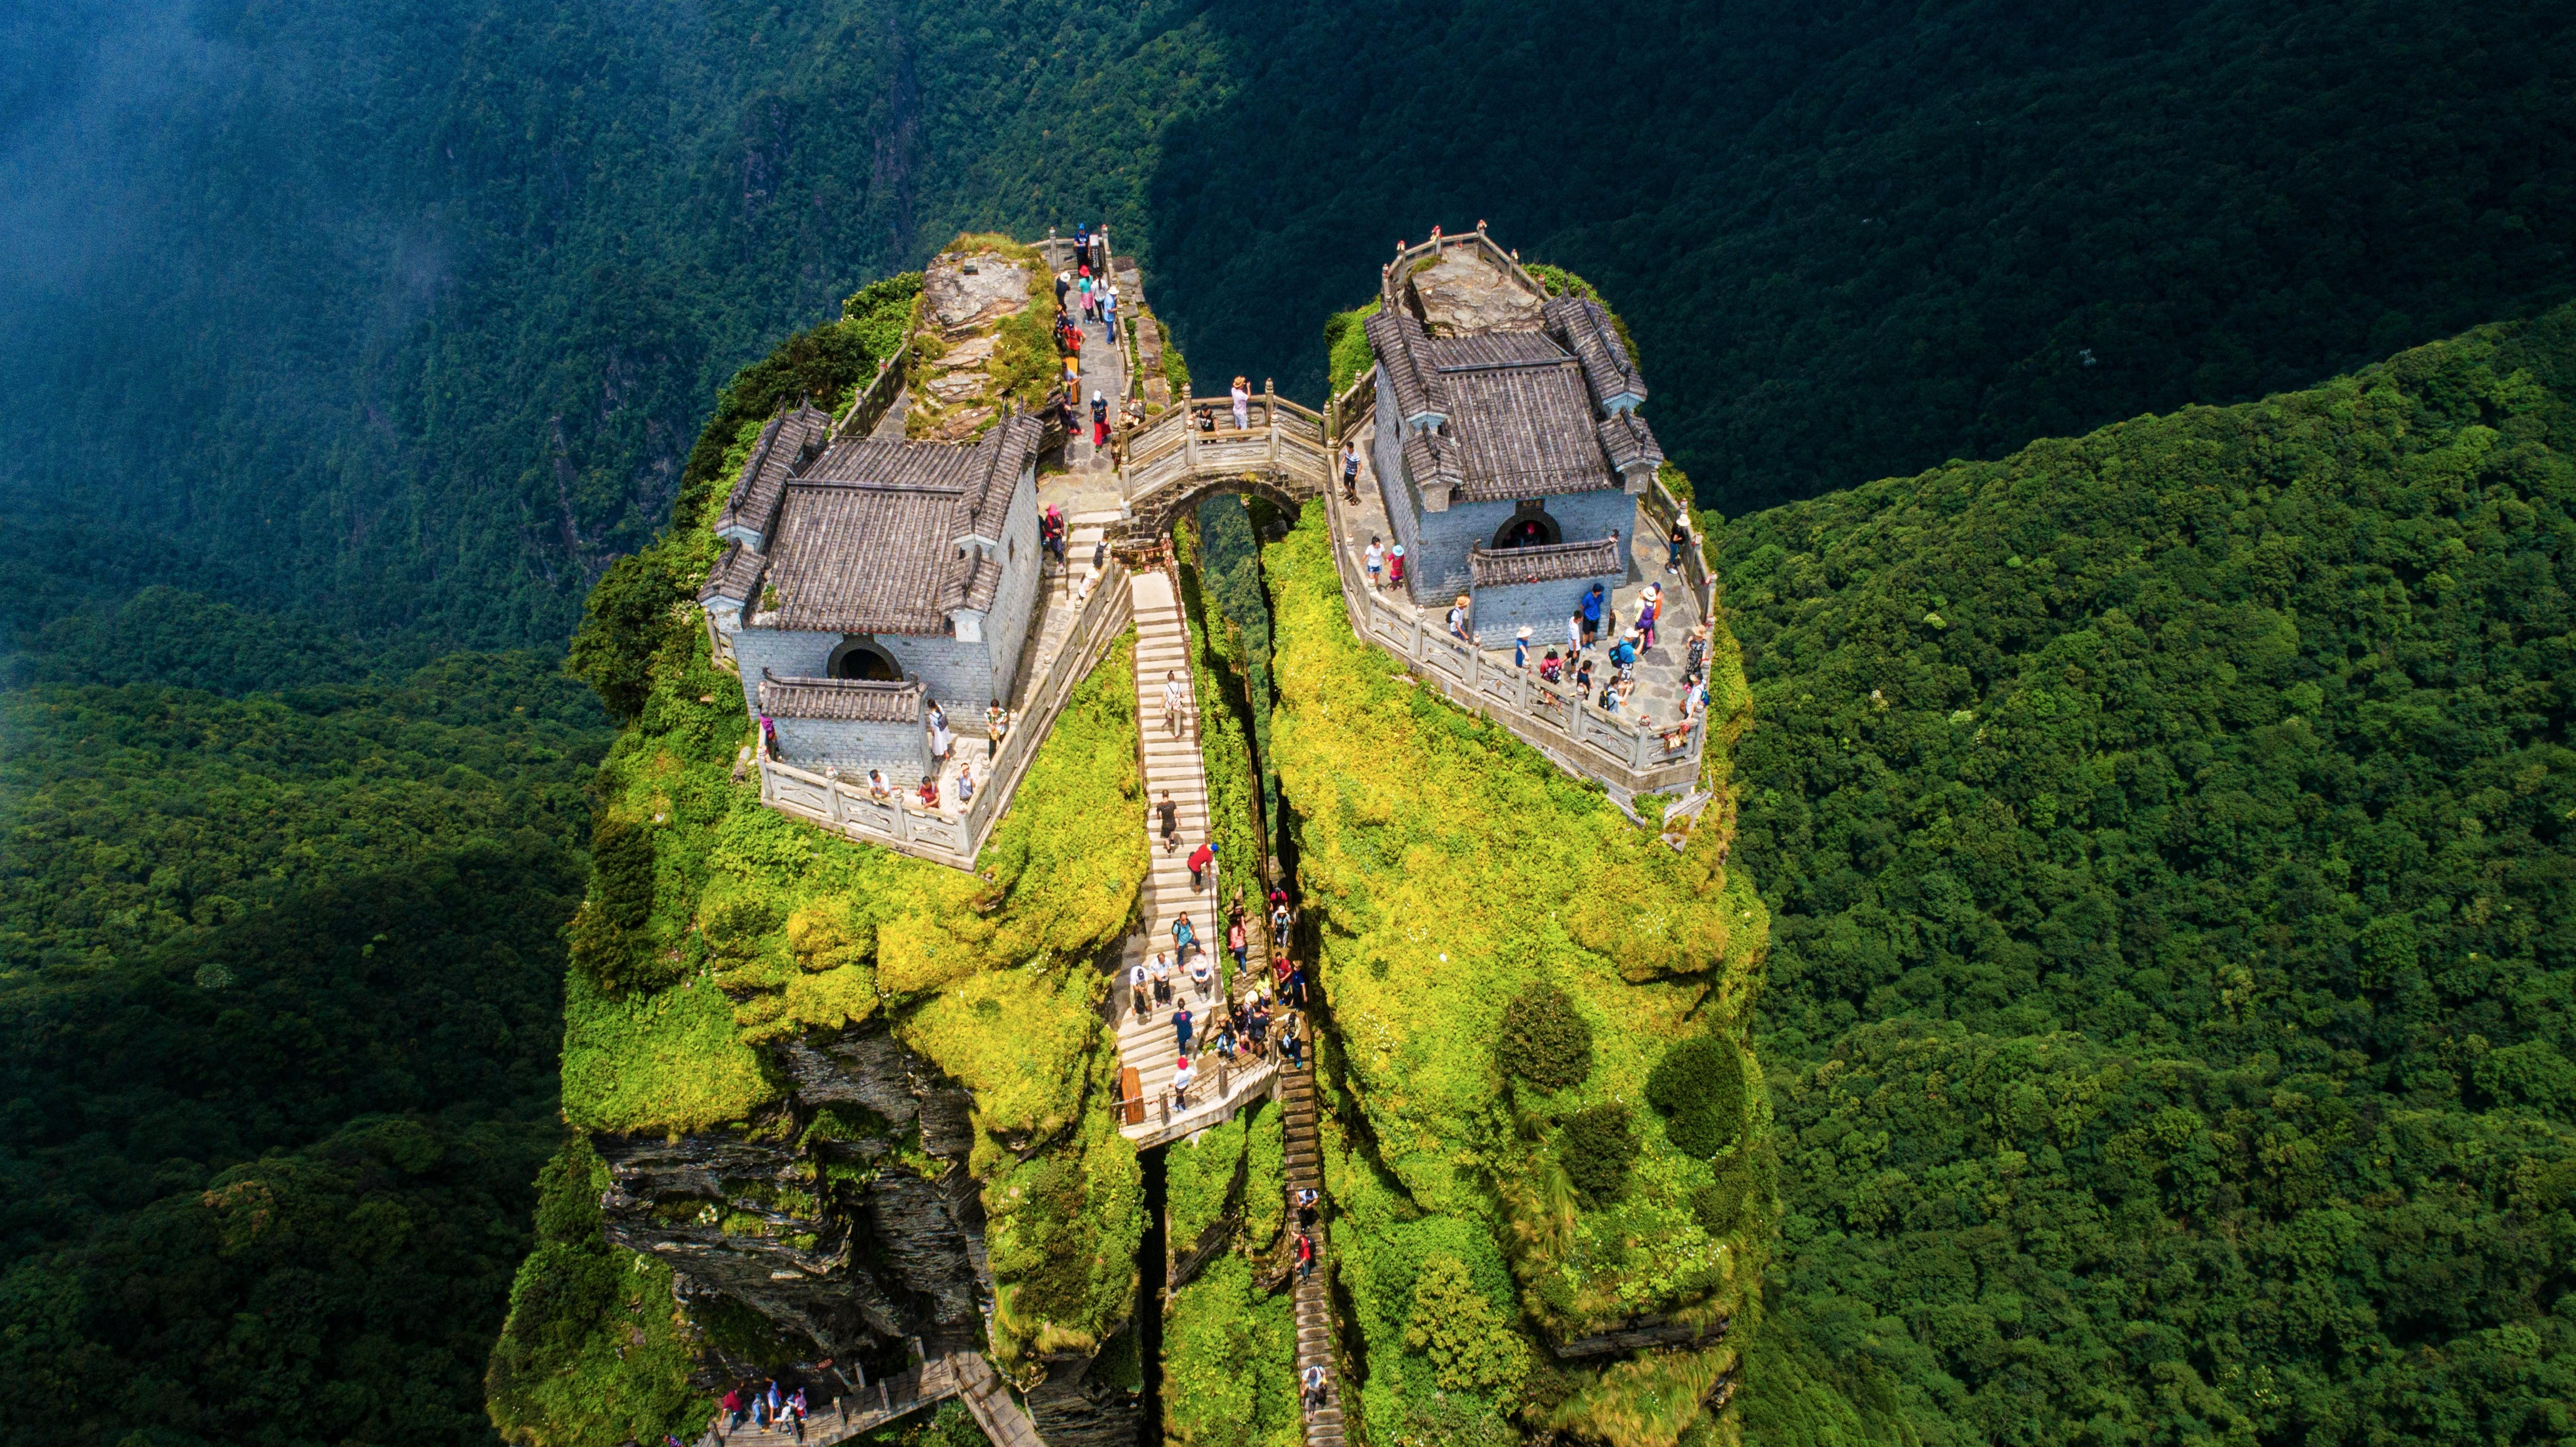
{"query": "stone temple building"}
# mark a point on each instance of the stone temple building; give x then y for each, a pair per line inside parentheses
(864, 580)
(1508, 441)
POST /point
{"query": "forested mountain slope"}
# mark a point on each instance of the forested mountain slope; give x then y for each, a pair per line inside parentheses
(423, 347)
(280, 1003)
(2166, 833)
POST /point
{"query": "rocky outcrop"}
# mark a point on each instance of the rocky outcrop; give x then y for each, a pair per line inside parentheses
(1074, 1408)
(844, 1217)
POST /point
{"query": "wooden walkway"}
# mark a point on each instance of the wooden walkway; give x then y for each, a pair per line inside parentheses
(1314, 1295)
(959, 1374)
(1148, 1047)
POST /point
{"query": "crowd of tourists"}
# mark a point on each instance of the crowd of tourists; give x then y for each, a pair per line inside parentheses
(1238, 1024)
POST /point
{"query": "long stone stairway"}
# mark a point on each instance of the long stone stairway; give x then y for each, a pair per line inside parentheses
(1148, 1047)
(1314, 1294)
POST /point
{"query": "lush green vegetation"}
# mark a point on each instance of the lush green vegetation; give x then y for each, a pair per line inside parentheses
(715, 925)
(441, 333)
(280, 995)
(555, 1376)
(1454, 873)
(2166, 831)
(1225, 748)
(1229, 1347)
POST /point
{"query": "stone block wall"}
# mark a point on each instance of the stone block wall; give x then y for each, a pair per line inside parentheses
(785, 654)
(1501, 612)
(901, 749)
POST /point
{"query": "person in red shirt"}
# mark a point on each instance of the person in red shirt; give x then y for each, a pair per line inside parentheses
(1200, 859)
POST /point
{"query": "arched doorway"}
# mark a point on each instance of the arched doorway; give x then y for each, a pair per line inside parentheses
(1528, 527)
(861, 658)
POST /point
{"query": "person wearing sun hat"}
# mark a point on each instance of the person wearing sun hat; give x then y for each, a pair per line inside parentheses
(1520, 649)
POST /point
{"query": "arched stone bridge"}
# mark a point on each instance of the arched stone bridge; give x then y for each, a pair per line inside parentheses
(1173, 463)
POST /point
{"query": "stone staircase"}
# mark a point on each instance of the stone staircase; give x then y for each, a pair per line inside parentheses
(1314, 1292)
(1147, 1047)
(1004, 1424)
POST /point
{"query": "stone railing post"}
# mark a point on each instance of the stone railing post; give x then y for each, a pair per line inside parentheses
(1419, 651)
(832, 801)
(1475, 665)
(1189, 432)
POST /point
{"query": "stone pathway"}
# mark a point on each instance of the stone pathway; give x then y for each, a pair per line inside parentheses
(1147, 1044)
(1314, 1294)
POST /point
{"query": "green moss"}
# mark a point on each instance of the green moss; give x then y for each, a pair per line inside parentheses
(1346, 347)
(1199, 1175)
(670, 1061)
(1224, 751)
(1229, 1362)
(1061, 1235)
(785, 928)
(1453, 869)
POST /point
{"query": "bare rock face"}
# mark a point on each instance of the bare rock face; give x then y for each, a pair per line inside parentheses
(960, 294)
(817, 1216)
(1072, 1408)
(1465, 293)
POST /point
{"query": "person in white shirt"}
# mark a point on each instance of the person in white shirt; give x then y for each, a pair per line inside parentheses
(1375, 560)
(1175, 702)
(1242, 405)
(1162, 973)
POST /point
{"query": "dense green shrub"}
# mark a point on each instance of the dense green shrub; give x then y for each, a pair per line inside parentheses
(629, 619)
(1455, 1325)
(621, 856)
(1545, 1040)
(595, 1351)
(1346, 347)
(1598, 1146)
(1698, 1087)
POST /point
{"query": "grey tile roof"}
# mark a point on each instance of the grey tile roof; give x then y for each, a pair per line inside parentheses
(1587, 331)
(735, 575)
(1554, 563)
(1628, 440)
(858, 557)
(871, 537)
(1525, 432)
(784, 444)
(1400, 342)
(1492, 349)
(843, 700)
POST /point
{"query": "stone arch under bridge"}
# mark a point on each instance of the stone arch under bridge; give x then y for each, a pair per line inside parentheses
(1158, 511)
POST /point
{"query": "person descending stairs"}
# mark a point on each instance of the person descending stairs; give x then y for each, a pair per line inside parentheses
(1313, 1282)
(1150, 1046)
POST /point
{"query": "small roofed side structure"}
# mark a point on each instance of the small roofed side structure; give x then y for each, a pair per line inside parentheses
(814, 719)
(786, 445)
(1584, 326)
(895, 565)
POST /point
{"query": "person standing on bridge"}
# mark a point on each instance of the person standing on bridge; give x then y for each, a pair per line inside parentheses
(1374, 559)
(1350, 471)
(997, 722)
(1181, 1028)
(1242, 405)
(1099, 419)
(1306, 1268)
(1109, 314)
(1592, 615)
(1395, 566)
(1063, 289)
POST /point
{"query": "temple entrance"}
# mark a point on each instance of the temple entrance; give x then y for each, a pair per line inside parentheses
(861, 658)
(1528, 527)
